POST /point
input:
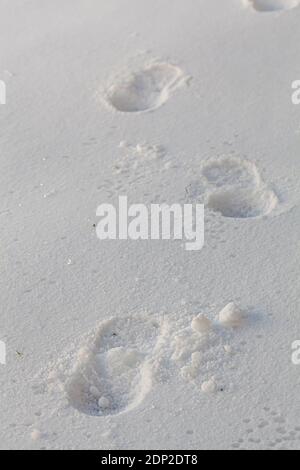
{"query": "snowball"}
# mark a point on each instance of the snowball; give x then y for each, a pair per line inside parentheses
(103, 402)
(139, 148)
(231, 315)
(201, 324)
(209, 386)
(123, 144)
(35, 435)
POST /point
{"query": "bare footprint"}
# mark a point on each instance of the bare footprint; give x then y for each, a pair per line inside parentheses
(272, 5)
(145, 90)
(113, 373)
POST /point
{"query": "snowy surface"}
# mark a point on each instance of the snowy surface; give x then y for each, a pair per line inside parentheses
(119, 344)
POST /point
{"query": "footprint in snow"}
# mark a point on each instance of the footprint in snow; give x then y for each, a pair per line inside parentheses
(114, 372)
(272, 5)
(235, 189)
(146, 89)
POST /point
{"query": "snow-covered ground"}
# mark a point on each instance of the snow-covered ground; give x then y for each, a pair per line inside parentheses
(126, 344)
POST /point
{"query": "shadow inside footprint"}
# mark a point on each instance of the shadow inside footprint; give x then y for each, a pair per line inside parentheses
(113, 373)
(145, 90)
(242, 203)
(273, 5)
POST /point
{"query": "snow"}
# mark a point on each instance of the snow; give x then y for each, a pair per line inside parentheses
(120, 344)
